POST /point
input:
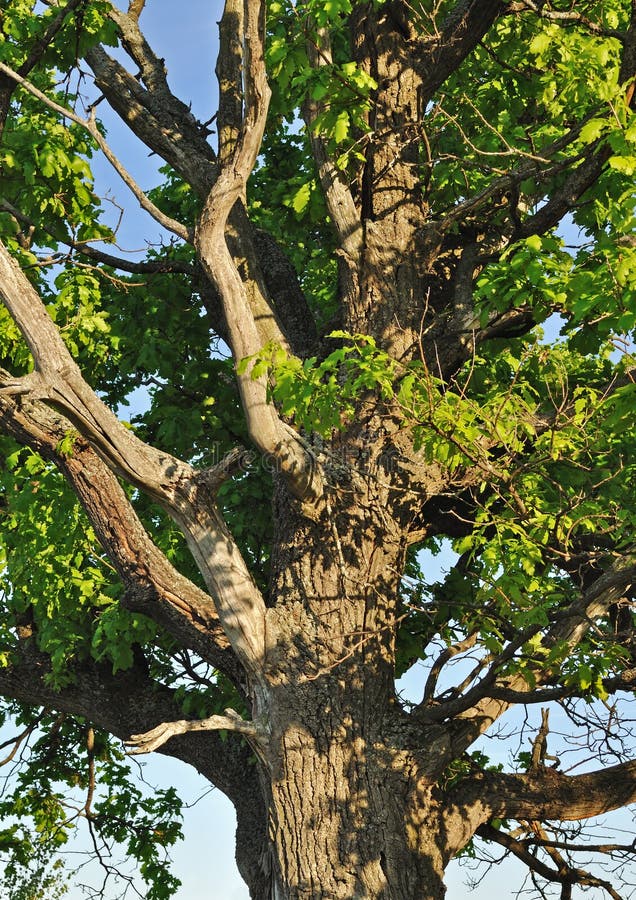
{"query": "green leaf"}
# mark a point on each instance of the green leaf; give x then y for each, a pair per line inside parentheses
(341, 127)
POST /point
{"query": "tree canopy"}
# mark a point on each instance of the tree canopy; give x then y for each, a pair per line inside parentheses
(391, 315)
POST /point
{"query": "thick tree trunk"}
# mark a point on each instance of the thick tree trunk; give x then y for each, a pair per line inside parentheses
(340, 819)
(344, 788)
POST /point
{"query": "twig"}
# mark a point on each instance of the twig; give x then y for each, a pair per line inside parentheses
(90, 125)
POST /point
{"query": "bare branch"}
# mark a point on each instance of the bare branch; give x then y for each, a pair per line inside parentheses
(135, 267)
(269, 434)
(472, 698)
(440, 662)
(564, 874)
(160, 119)
(231, 721)
(549, 794)
(135, 8)
(540, 743)
(127, 702)
(488, 833)
(475, 711)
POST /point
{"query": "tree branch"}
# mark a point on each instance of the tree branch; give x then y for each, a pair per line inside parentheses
(135, 267)
(166, 126)
(231, 721)
(564, 199)
(7, 84)
(340, 204)
(127, 702)
(158, 118)
(153, 586)
(548, 794)
(89, 124)
(171, 482)
(565, 874)
(471, 715)
(624, 682)
(565, 17)
(610, 587)
(463, 29)
(229, 75)
(267, 431)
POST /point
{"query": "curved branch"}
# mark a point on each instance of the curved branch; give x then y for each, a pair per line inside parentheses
(153, 586)
(473, 713)
(565, 874)
(231, 721)
(267, 431)
(161, 121)
(461, 32)
(131, 702)
(168, 128)
(168, 480)
(436, 669)
(537, 796)
(548, 794)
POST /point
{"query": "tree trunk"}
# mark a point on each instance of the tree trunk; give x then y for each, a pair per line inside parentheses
(339, 824)
(345, 791)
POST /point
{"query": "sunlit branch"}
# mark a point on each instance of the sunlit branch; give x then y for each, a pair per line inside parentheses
(342, 209)
(231, 721)
(266, 430)
(153, 586)
(171, 482)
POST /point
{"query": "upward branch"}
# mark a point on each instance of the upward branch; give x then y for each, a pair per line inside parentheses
(168, 480)
(152, 585)
(267, 431)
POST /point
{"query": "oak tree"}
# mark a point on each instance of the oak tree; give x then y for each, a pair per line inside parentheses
(390, 315)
